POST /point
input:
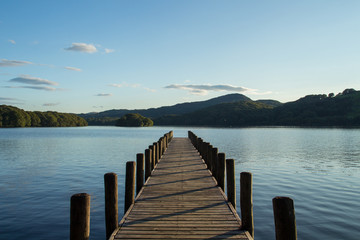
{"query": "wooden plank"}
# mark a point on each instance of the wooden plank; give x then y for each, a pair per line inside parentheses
(181, 200)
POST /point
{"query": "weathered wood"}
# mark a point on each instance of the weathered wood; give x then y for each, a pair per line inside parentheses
(139, 172)
(148, 153)
(156, 151)
(181, 201)
(246, 202)
(151, 147)
(129, 185)
(80, 216)
(214, 158)
(230, 181)
(221, 170)
(111, 203)
(284, 217)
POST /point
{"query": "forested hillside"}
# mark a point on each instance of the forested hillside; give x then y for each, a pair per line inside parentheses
(15, 117)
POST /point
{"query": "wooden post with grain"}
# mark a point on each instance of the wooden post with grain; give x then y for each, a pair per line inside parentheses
(148, 153)
(139, 172)
(129, 185)
(284, 217)
(80, 216)
(246, 202)
(111, 203)
(221, 171)
(230, 181)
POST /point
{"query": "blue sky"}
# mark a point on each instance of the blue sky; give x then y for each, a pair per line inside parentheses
(85, 56)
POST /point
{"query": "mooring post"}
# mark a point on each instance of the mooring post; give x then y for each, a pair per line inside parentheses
(214, 157)
(160, 148)
(80, 216)
(139, 172)
(156, 151)
(230, 181)
(152, 157)
(246, 202)
(210, 159)
(111, 203)
(221, 170)
(129, 185)
(147, 163)
(284, 217)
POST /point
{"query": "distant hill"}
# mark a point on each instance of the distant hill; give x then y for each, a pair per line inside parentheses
(109, 117)
(312, 110)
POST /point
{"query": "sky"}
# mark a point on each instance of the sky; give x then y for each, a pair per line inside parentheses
(91, 56)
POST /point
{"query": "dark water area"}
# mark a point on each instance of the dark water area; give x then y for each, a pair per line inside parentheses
(42, 167)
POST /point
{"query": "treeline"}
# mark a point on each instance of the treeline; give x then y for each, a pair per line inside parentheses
(15, 117)
(312, 110)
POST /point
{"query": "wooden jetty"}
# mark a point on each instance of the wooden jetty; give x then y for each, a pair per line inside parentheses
(181, 200)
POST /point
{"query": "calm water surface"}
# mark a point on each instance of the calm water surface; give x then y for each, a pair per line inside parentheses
(42, 167)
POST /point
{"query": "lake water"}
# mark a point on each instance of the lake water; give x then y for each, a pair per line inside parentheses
(40, 168)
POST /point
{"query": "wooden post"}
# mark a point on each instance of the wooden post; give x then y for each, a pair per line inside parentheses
(139, 172)
(214, 158)
(148, 153)
(246, 202)
(152, 154)
(230, 181)
(160, 148)
(129, 185)
(156, 151)
(80, 216)
(221, 172)
(111, 203)
(209, 157)
(284, 217)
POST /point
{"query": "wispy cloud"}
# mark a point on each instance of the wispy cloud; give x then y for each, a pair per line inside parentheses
(26, 79)
(204, 89)
(104, 95)
(13, 63)
(44, 88)
(6, 100)
(107, 50)
(82, 47)
(50, 104)
(117, 85)
(12, 41)
(73, 69)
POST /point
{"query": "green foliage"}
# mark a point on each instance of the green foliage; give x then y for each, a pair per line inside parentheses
(313, 110)
(134, 120)
(14, 117)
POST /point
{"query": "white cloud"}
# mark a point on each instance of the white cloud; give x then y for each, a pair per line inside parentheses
(82, 47)
(13, 63)
(104, 95)
(204, 89)
(73, 69)
(33, 80)
(117, 85)
(107, 50)
(44, 88)
(12, 41)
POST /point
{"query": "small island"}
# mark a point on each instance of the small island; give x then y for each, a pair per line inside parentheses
(134, 120)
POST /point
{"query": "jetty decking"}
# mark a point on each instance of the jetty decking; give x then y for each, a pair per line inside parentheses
(181, 200)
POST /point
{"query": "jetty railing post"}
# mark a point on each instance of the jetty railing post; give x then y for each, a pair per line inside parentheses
(139, 172)
(160, 148)
(230, 181)
(152, 159)
(284, 217)
(214, 157)
(111, 203)
(221, 172)
(147, 163)
(209, 156)
(246, 202)
(129, 185)
(156, 151)
(80, 216)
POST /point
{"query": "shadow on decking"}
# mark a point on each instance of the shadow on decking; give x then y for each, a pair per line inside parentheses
(148, 219)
